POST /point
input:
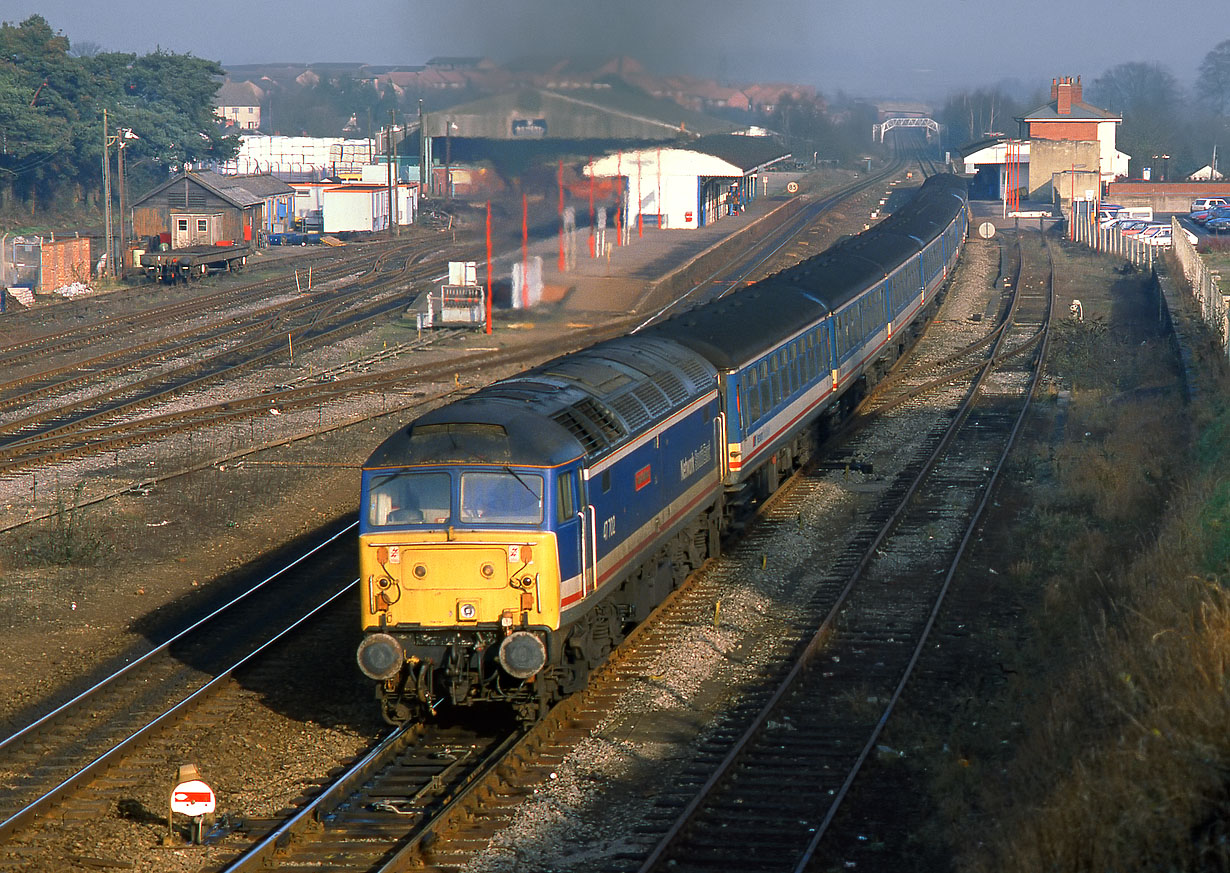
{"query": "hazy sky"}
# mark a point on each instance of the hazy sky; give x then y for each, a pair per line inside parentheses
(903, 48)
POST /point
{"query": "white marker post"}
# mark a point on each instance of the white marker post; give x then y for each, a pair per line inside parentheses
(192, 798)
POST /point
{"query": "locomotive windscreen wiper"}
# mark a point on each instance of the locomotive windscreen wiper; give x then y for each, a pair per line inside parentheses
(524, 484)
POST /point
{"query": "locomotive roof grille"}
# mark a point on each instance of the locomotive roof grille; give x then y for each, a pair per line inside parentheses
(653, 397)
(610, 426)
(587, 432)
(672, 387)
(632, 410)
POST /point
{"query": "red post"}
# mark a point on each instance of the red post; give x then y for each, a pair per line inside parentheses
(561, 217)
(490, 284)
(1008, 161)
(525, 252)
(1010, 176)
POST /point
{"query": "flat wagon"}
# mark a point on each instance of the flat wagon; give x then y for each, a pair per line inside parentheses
(194, 262)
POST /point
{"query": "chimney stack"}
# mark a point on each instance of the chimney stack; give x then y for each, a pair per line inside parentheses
(1063, 96)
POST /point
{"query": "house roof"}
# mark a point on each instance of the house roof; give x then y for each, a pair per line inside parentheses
(238, 94)
(263, 184)
(1080, 112)
(236, 190)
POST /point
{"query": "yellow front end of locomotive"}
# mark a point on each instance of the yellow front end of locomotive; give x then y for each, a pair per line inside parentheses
(459, 579)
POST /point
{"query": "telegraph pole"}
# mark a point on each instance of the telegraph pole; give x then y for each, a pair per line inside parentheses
(119, 166)
(110, 262)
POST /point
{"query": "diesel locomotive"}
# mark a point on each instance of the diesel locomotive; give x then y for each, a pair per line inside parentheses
(509, 540)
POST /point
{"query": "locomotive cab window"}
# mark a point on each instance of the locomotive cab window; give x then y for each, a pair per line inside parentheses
(505, 497)
(409, 498)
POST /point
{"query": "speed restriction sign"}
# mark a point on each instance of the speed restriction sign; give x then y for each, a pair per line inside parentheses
(792, 187)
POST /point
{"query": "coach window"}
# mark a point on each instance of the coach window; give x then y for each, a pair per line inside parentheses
(751, 396)
(766, 389)
(795, 376)
(776, 380)
(606, 481)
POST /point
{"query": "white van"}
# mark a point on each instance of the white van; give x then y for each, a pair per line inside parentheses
(1138, 213)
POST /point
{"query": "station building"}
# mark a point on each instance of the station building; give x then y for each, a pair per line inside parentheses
(693, 185)
(1062, 147)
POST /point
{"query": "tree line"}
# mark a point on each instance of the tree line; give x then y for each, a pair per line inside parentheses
(52, 100)
(1165, 126)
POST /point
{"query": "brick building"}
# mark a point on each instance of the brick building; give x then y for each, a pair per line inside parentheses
(1069, 138)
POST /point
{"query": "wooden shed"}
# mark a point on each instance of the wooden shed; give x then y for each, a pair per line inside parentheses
(199, 208)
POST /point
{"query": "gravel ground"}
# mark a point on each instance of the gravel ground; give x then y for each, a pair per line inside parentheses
(145, 556)
(601, 799)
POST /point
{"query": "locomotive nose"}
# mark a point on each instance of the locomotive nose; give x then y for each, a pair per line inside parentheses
(380, 656)
(522, 654)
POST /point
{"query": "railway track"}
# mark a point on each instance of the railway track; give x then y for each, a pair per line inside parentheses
(107, 420)
(69, 427)
(870, 634)
(786, 776)
(88, 736)
(451, 778)
(112, 327)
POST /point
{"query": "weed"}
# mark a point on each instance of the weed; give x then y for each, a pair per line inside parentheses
(64, 539)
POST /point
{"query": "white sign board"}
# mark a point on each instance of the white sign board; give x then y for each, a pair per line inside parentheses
(193, 798)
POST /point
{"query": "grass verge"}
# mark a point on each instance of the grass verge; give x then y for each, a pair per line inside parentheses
(1107, 747)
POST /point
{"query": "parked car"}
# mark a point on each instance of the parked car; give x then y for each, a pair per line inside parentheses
(1132, 226)
(1203, 204)
(1161, 235)
(1200, 216)
(1218, 222)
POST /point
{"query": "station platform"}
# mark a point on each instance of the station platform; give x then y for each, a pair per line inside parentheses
(1030, 215)
(630, 278)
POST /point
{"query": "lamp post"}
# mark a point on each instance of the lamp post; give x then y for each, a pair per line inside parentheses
(1165, 159)
(448, 159)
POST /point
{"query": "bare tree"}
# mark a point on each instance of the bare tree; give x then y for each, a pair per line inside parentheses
(1213, 84)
